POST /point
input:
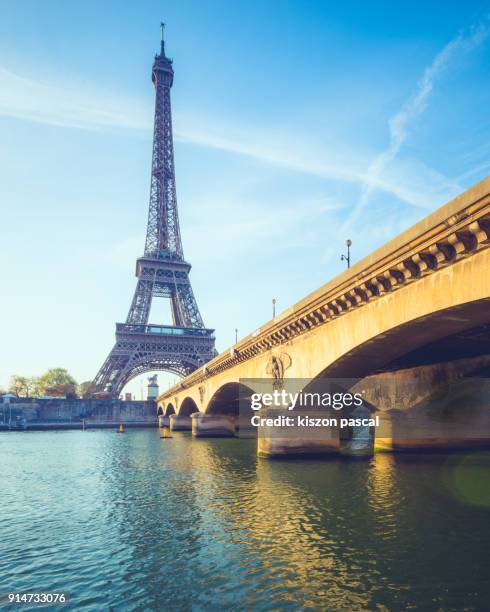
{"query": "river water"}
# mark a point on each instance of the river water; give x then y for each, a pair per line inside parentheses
(135, 522)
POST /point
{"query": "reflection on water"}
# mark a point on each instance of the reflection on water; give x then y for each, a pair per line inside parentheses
(136, 522)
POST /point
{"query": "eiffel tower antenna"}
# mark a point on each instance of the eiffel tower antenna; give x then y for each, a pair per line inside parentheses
(161, 272)
(162, 37)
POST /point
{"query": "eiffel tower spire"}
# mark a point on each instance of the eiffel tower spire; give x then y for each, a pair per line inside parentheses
(162, 271)
(163, 234)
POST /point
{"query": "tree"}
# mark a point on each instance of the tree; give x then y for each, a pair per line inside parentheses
(87, 389)
(23, 386)
(57, 381)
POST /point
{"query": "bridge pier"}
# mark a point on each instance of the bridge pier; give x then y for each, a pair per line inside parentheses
(443, 406)
(180, 423)
(213, 425)
(454, 416)
(163, 421)
(358, 442)
(274, 441)
(271, 447)
(400, 431)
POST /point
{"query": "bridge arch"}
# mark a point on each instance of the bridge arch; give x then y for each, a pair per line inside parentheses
(188, 407)
(429, 338)
(226, 400)
(169, 409)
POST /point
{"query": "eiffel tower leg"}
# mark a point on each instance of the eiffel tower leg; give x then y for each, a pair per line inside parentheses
(139, 310)
(188, 306)
(107, 377)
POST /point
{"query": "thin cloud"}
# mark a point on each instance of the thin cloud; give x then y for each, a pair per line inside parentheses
(477, 171)
(413, 108)
(310, 160)
(29, 99)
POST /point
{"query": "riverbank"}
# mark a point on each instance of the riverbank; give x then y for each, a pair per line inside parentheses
(40, 414)
(80, 425)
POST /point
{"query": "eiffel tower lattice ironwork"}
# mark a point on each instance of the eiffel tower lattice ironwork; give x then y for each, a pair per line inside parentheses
(162, 272)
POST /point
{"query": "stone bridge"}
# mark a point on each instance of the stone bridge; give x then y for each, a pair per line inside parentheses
(418, 308)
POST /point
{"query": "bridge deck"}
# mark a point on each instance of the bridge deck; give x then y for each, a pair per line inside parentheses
(455, 230)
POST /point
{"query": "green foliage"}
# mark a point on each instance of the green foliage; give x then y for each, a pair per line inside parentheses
(57, 381)
(23, 386)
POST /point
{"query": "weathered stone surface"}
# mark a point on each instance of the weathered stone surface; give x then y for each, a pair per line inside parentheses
(454, 417)
(272, 446)
(213, 425)
(61, 413)
(360, 441)
(276, 441)
(180, 423)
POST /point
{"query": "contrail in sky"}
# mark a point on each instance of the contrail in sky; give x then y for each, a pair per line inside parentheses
(413, 108)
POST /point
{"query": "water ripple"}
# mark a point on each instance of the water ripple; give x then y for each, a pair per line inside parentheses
(136, 523)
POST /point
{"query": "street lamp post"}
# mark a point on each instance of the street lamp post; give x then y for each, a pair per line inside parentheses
(347, 257)
(273, 307)
(236, 335)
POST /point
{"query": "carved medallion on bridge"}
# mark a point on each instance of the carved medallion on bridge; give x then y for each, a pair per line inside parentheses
(276, 367)
(202, 391)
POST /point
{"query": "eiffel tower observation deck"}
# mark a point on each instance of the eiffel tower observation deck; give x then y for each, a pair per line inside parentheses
(141, 346)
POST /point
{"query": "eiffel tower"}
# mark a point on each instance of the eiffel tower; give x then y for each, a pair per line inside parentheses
(162, 272)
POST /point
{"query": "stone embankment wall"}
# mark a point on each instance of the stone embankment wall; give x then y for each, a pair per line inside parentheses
(35, 413)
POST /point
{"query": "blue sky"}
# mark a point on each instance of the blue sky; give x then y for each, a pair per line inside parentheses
(298, 124)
